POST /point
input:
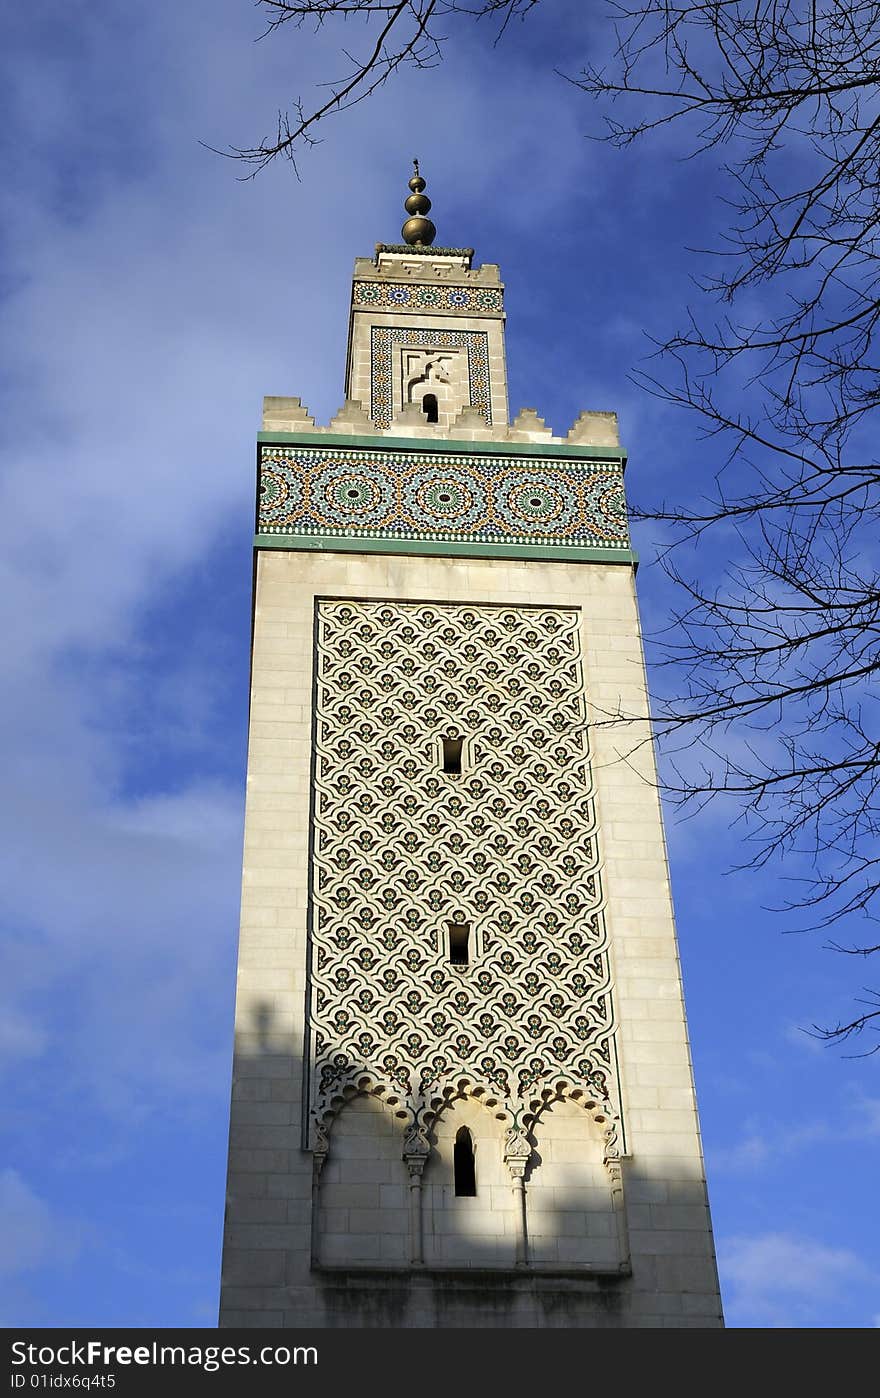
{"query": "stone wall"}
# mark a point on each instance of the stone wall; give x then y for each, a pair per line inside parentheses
(282, 1252)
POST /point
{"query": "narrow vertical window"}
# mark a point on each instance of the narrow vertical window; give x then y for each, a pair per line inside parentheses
(459, 939)
(429, 407)
(452, 755)
(463, 1164)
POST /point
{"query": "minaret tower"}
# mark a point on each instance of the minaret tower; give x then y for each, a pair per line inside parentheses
(462, 1089)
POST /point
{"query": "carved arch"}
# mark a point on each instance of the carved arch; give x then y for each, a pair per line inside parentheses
(606, 1117)
(598, 1106)
(358, 1082)
(442, 1093)
(487, 1232)
(343, 1141)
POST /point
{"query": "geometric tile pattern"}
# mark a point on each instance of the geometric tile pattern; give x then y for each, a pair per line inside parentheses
(400, 296)
(424, 252)
(385, 337)
(403, 850)
(441, 497)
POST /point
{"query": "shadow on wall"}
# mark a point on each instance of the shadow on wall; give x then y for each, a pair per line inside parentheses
(354, 1235)
(460, 1205)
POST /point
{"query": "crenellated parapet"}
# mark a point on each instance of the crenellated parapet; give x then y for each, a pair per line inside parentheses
(590, 428)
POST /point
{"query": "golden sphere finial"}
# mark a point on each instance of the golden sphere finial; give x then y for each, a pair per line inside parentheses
(418, 230)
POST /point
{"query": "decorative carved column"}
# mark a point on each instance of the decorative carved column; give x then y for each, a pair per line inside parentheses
(416, 1149)
(320, 1150)
(517, 1153)
(618, 1203)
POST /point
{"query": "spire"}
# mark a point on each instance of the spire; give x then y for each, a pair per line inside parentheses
(418, 230)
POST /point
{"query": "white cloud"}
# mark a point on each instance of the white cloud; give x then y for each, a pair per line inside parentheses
(766, 1143)
(867, 1111)
(808, 1043)
(20, 1036)
(750, 1153)
(31, 1233)
(782, 1279)
(135, 926)
(773, 1263)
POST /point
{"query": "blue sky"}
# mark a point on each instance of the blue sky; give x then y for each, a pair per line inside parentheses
(149, 300)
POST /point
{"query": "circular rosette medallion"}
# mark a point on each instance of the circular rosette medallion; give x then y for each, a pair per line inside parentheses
(535, 502)
(347, 493)
(281, 493)
(444, 497)
(605, 507)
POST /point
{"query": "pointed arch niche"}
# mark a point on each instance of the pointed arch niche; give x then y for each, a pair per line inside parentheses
(574, 1203)
(361, 1211)
(476, 1229)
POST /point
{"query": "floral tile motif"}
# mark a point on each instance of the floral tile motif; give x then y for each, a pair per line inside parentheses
(494, 499)
(509, 848)
(460, 300)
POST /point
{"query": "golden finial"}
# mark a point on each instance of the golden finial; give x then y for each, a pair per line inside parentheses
(418, 230)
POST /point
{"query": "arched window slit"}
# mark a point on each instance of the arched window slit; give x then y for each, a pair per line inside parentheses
(459, 943)
(463, 1164)
(452, 755)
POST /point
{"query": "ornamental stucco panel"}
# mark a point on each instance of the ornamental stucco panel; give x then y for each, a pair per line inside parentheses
(386, 374)
(407, 855)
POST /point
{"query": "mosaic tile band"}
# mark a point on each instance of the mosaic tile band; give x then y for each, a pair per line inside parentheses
(457, 300)
(455, 498)
(384, 338)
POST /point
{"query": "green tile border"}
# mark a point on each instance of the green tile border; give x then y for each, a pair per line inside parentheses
(302, 543)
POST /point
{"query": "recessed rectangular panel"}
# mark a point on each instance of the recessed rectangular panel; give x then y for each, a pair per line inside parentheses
(403, 850)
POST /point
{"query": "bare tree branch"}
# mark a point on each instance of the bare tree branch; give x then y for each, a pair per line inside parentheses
(407, 36)
(772, 672)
